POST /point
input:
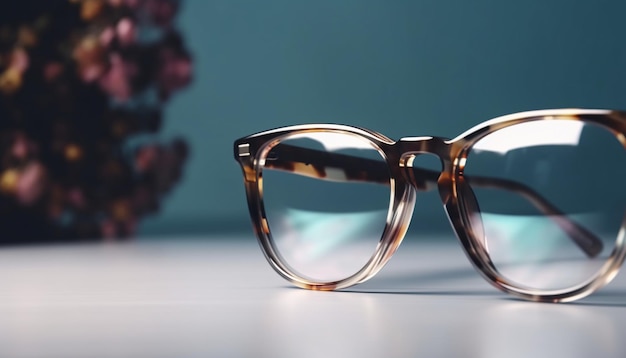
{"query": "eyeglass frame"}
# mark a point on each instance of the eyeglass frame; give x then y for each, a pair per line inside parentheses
(456, 196)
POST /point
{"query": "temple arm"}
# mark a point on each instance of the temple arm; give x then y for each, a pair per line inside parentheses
(342, 167)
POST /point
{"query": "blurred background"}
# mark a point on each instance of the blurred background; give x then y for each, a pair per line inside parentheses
(403, 67)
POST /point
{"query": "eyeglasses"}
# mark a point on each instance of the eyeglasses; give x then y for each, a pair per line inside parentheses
(536, 199)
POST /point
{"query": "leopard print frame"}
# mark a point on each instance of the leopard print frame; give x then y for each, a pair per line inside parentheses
(264, 150)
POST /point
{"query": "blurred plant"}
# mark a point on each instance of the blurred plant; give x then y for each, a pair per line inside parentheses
(80, 82)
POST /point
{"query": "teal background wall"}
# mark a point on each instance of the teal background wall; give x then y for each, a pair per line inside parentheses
(404, 68)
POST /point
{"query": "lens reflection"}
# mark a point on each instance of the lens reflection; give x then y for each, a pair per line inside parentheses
(540, 193)
(325, 220)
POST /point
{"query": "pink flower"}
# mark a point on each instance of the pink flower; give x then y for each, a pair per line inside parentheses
(21, 147)
(126, 31)
(31, 184)
(19, 60)
(90, 54)
(146, 158)
(117, 80)
(106, 36)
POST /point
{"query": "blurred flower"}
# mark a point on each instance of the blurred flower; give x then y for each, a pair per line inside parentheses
(21, 148)
(90, 57)
(174, 71)
(161, 12)
(126, 31)
(77, 83)
(11, 79)
(146, 158)
(117, 80)
(19, 60)
(31, 183)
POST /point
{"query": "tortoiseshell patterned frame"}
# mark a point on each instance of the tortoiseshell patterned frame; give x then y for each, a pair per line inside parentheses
(404, 180)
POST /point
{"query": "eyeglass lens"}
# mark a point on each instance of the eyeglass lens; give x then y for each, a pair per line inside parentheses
(573, 166)
(325, 230)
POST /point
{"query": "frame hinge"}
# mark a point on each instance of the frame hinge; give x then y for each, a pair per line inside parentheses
(244, 150)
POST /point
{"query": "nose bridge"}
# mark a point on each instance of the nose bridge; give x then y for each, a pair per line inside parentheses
(412, 147)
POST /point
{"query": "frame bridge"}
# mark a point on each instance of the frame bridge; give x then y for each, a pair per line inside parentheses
(410, 147)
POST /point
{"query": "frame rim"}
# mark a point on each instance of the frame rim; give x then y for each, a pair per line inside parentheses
(614, 121)
(399, 212)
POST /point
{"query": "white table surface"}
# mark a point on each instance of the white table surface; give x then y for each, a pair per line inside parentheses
(203, 298)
